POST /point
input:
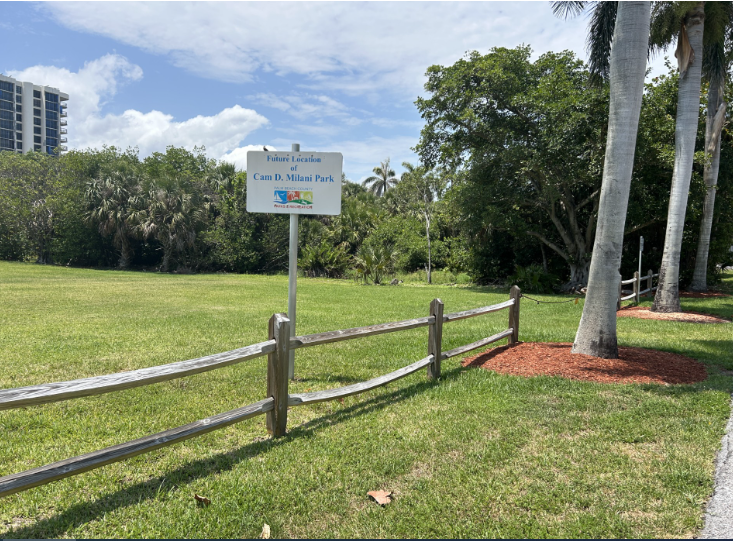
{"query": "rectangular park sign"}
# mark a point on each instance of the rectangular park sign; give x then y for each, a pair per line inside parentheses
(294, 182)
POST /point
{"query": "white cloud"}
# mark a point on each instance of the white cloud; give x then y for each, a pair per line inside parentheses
(99, 80)
(238, 156)
(312, 107)
(360, 157)
(359, 48)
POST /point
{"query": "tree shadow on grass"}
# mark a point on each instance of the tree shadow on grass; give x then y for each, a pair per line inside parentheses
(80, 513)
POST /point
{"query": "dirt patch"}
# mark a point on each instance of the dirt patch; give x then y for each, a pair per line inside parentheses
(643, 312)
(702, 294)
(634, 365)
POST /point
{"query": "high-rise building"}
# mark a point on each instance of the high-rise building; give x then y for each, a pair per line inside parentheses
(32, 117)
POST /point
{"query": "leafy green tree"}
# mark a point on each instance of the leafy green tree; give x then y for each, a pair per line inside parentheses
(529, 137)
(29, 204)
(419, 191)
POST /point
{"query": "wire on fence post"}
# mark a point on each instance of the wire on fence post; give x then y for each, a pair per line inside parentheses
(435, 338)
(516, 294)
(277, 374)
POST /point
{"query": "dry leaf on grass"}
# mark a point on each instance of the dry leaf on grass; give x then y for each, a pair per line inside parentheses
(202, 499)
(265, 532)
(382, 497)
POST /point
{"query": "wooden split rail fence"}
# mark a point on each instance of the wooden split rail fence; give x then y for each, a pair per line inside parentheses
(637, 292)
(275, 406)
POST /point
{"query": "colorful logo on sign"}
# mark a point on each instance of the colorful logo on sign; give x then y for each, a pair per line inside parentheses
(293, 197)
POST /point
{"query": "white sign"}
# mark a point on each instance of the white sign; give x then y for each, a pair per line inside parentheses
(294, 182)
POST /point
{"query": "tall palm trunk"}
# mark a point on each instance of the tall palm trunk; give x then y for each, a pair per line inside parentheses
(715, 100)
(667, 298)
(597, 330)
(430, 263)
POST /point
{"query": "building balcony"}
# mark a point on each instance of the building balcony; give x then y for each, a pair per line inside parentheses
(63, 114)
(63, 148)
(63, 130)
(63, 140)
(62, 122)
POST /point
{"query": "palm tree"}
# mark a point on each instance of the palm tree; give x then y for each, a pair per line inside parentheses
(383, 178)
(718, 16)
(689, 46)
(714, 125)
(114, 205)
(627, 64)
(171, 217)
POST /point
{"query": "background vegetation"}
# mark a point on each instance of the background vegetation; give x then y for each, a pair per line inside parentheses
(512, 194)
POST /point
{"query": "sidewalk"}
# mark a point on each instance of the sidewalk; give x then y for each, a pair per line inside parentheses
(719, 513)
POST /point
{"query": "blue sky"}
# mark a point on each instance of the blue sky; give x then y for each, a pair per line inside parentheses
(233, 76)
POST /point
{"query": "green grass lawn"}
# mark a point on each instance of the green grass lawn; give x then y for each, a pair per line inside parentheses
(475, 454)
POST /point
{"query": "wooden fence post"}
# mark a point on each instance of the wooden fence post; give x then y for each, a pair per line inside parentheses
(637, 286)
(514, 293)
(435, 338)
(277, 374)
(649, 281)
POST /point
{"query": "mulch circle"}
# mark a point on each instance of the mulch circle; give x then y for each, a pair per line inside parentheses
(702, 294)
(634, 365)
(643, 312)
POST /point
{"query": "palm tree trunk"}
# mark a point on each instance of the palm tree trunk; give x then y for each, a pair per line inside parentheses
(667, 298)
(167, 252)
(124, 244)
(427, 232)
(597, 330)
(700, 277)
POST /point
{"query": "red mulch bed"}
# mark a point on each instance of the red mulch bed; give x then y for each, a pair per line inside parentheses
(702, 294)
(643, 312)
(634, 365)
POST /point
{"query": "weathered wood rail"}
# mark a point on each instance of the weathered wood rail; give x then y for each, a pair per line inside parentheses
(637, 292)
(65, 390)
(275, 406)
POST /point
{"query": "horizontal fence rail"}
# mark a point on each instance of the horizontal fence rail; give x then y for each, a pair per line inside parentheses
(10, 484)
(65, 390)
(475, 345)
(637, 292)
(357, 388)
(358, 332)
(275, 406)
(478, 311)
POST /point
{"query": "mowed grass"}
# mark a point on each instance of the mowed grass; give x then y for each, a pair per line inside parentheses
(475, 454)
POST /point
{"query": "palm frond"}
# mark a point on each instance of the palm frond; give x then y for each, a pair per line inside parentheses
(714, 62)
(717, 20)
(665, 26)
(565, 10)
(600, 37)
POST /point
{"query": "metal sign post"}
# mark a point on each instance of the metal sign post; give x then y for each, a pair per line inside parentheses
(292, 278)
(641, 249)
(294, 183)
